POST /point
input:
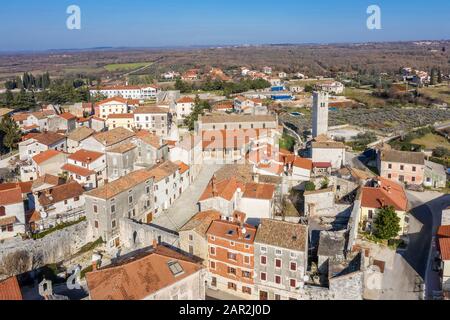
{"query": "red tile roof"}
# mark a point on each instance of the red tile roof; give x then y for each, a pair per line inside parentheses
(60, 193)
(116, 99)
(183, 166)
(10, 290)
(444, 248)
(140, 277)
(444, 232)
(77, 170)
(46, 155)
(259, 191)
(224, 189)
(303, 163)
(121, 116)
(388, 194)
(85, 156)
(232, 231)
(185, 100)
(322, 165)
(67, 116)
(11, 196)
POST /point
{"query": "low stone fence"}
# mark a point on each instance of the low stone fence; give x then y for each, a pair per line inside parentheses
(19, 256)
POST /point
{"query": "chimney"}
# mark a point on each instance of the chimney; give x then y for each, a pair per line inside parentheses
(155, 244)
(214, 187)
(256, 178)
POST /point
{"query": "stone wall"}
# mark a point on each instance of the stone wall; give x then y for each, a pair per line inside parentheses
(53, 248)
(134, 236)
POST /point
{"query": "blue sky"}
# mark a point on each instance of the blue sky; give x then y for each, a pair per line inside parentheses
(39, 25)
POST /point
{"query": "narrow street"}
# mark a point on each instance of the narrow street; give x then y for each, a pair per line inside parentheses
(186, 207)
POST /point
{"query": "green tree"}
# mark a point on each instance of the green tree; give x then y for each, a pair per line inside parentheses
(11, 132)
(387, 223)
(9, 98)
(310, 186)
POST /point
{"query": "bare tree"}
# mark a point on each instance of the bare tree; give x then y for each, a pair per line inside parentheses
(16, 263)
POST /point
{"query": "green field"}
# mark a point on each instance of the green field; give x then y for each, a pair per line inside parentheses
(439, 92)
(432, 141)
(364, 96)
(125, 66)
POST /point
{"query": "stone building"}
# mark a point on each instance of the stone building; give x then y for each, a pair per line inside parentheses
(128, 197)
(281, 259)
(160, 274)
(320, 114)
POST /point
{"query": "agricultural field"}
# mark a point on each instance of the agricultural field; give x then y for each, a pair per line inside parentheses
(439, 92)
(365, 97)
(125, 66)
(432, 141)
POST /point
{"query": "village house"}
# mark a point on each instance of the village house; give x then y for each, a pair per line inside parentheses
(325, 150)
(257, 201)
(62, 123)
(189, 151)
(401, 166)
(128, 197)
(12, 212)
(231, 256)
(224, 106)
(88, 168)
(84, 122)
(120, 160)
(48, 162)
(61, 203)
(10, 290)
(124, 120)
(190, 75)
(159, 274)
(435, 175)
(46, 182)
(76, 137)
(104, 141)
(332, 87)
(281, 259)
(267, 70)
(301, 169)
(32, 121)
(154, 119)
(115, 105)
(98, 124)
(193, 239)
(443, 236)
(40, 143)
(331, 247)
(145, 92)
(184, 107)
(167, 186)
(151, 149)
(378, 194)
(245, 105)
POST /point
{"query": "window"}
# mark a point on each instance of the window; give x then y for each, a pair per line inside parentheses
(231, 271)
(246, 259)
(95, 208)
(278, 252)
(113, 224)
(246, 290)
(212, 265)
(130, 199)
(263, 276)
(370, 214)
(212, 250)
(389, 176)
(293, 255)
(113, 208)
(175, 268)
(232, 286)
(191, 237)
(247, 246)
(402, 167)
(247, 274)
(232, 256)
(65, 202)
(277, 297)
(293, 283)
(277, 279)
(390, 166)
(96, 224)
(76, 199)
(263, 260)
(414, 169)
(413, 179)
(232, 243)
(278, 263)
(293, 266)
(263, 249)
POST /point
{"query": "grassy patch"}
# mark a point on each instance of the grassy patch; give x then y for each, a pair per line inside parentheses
(125, 66)
(439, 92)
(365, 97)
(432, 141)
(287, 142)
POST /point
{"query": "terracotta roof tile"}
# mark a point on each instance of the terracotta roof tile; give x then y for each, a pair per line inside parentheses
(150, 138)
(403, 157)
(109, 138)
(123, 148)
(140, 277)
(10, 290)
(388, 194)
(49, 138)
(444, 248)
(67, 116)
(303, 163)
(45, 156)
(85, 156)
(259, 191)
(232, 231)
(60, 193)
(80, 134)
(151, 110)
(77, 170)
(11, 196)
(201, 221)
